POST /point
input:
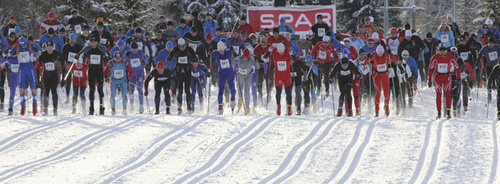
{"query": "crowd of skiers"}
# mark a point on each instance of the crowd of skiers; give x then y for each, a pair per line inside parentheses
(188, 59)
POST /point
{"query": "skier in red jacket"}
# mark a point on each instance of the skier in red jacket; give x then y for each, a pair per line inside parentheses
(380, 65)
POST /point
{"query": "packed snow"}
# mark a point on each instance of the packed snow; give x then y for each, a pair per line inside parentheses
(259, 148)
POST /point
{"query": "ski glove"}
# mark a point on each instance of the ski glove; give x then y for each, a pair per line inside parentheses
(146, 92)
(429, 83)
(489, 95)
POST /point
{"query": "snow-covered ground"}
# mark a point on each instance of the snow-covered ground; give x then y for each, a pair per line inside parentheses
(259, 148)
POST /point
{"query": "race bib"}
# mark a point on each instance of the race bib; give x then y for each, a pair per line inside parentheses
(382, 68)
(463, 75)
(135, 62)
(442, 68)
(162, 79)
(24, 57)
(104, 41)
(365, 70)
(243, 71)
(293, 74)
(445, 38)
(224, 63)
(77, 73)
(347, 72)
(394, 50)
(14, 68)
(266, 60)
(391, 73)
(195, 74)
(118, 74)
(193, 46)
(322, 55)
(321, 32)
(71, 56)
(11, 30)
(281, 66)
(236, 49)
(95, 59)
(493, 56)
(50, 66)
(78, 29)
(464, 56)
(183, 60)
(139, 45)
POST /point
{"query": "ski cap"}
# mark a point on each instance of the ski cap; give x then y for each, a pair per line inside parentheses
(246, 53)
(72, 36)
(405, 53)
(326, 38)
(408, 33)
(23, 41)
(309, 59)
(120, 43)
(221, 46)
(380, 49)
(489, 21)
(280, 48)
(134, 45)
(117, 54)
(170, 44)
(375, 36)
(49, 43)
(181, 42)
(310, 33)
(303, 36)
(18, 29)
(394, 30)
(282, 19)
(160, 64)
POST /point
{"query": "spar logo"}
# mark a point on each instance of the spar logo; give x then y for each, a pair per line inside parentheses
(300, 19)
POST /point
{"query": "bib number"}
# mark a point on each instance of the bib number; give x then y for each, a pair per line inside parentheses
(394, 50)
(193, 46)
(118, 74)
(281, 66)
(135, 62)
(71, 57)
(95, 59)
(322, 55)
(50, 66)
(14, 68)
(347, 72)
(243, 71)
(78, 29)
(321, 32)
(104, 41)
(224, 63)
(293, 74)
(443, 68)
(382, 68)
(77, 73)
(139, 45)
(464, 56)
(195, 74)
(493, 56)
(24, 57)
(183, 60)
(444, 38)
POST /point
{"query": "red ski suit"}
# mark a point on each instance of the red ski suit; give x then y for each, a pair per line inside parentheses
(440, 74)
(380, 76)
(80, 75)
(282, 64)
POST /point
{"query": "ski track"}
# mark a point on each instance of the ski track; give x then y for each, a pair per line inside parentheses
(359, 152)
(435, 155)
(421, 159)
(495, 154)
(206, 168)
(15, 139)
(66, 151)
(151, 152)
(305, 153)
(294, 151)
(346, 153)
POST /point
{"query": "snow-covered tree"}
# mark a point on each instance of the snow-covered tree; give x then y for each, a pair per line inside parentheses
(354, 11)
(466, 12)
(486, 8)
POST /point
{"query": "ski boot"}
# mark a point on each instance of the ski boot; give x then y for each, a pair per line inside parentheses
(167, 111)
(35, 110)
(349, 113)
(339, 112)
(190, 110)
(410, 102)
(23, 110)
(247, 110)
(439, 115)
(73, 111)
(84, 105)
(1, 107)
(221, 111)
(465, 109)
(101, 110)
(11, 112)
(387, 112)
(124, 111)
(278, 109)
(358, 112)
(448, 114)
(141, 109)
(113, 111)
(45, 111)
(157, 111)
(91, 110)
(240, 103)
(179, 111)
(55, 111)
(289, 110)
(298, 112)
(376, 114)
(232, 104)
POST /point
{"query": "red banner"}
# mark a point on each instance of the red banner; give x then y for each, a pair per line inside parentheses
(301, 19)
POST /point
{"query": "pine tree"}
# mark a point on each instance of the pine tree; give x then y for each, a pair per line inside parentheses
(465, 14)
(354, 11)
(486, 8)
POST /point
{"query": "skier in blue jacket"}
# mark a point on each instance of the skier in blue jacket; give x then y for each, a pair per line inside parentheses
(120, 70)
(120, 46)
(137, 61)
(283, 27)
(51, 35)
(226, 74)
(198, 81)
